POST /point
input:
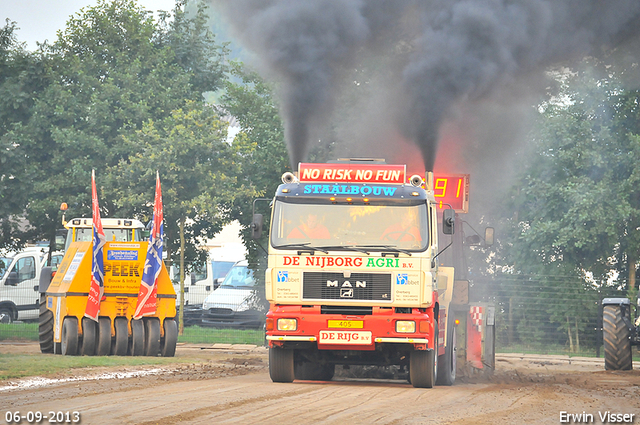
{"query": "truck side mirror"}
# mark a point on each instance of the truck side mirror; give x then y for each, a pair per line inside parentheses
(256, 226)
(448, 221)
(488, 236)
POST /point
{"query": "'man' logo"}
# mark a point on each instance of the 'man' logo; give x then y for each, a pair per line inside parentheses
(346, 284)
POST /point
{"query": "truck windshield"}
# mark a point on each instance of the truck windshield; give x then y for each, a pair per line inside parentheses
(350, 227)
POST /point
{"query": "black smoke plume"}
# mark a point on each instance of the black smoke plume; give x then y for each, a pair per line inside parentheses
(451, 51)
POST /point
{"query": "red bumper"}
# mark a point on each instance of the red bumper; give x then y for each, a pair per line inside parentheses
(349, 332)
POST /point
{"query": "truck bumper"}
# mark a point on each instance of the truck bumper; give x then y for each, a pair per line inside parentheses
(360, 332)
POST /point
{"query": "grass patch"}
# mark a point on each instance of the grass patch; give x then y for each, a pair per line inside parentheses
(20, 365)
(192, 334)
(205, 335)
(19, 331)
(559, 350)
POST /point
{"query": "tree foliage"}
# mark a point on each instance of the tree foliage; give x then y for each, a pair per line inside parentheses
(259, 150)
(112, 71)
(570, 235)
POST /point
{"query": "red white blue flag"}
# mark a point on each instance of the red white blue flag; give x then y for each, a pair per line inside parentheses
(148, 294)
(97, 266)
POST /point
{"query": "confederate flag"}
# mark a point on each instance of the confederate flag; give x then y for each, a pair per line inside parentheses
(147, 297)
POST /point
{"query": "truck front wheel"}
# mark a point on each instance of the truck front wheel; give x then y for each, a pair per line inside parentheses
(281, 365)
(617, 339)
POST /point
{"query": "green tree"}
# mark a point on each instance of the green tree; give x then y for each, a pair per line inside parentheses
(112, 69)
(574, 210)
(259, 151)
(21, 78)
(190, 152)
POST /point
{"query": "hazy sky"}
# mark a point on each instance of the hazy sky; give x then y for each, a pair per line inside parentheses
(38, 20)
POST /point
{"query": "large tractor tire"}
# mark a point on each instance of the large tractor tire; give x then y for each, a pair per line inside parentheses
(45, 328)
(617, 339)
(281, 367)
(423, 366)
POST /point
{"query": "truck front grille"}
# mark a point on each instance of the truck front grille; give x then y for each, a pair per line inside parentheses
(358, 286)
(347, 310)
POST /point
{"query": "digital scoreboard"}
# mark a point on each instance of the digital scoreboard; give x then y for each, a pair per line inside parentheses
(452, 189)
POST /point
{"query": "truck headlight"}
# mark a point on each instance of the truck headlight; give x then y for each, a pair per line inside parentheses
(287, 324)
(405, 326)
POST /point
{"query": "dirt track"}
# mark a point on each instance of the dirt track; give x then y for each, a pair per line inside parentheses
(233, 386)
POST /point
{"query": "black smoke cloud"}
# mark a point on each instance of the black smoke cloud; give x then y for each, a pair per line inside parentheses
(452, 51)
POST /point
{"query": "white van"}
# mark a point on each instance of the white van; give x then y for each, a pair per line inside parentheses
(233, 304)
(200, 283)
(19, 279)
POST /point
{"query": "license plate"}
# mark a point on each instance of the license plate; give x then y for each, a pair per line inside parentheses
(346, 324)
(345, 337)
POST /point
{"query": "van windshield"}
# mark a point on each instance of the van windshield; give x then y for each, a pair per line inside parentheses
(4, 264)
(239, 277)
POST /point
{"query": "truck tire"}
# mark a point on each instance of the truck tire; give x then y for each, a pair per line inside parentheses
(137, 337)
(89, 339)
(121, 341)
(45, 326)
(152, 337)
(69, 338)
(170, 338)
(617, 339)
(447, 362)
(281, 365)
(423, 366)
(104, 337)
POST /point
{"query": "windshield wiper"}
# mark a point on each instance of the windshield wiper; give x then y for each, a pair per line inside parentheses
(386, 248)
(302, 247)
(346, 247)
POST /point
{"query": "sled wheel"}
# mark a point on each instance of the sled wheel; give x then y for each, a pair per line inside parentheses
(137, 338)
(170, 338)
(152, 337)
(88, 346)
(104, 337)
(121, 342)
(69, 339)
